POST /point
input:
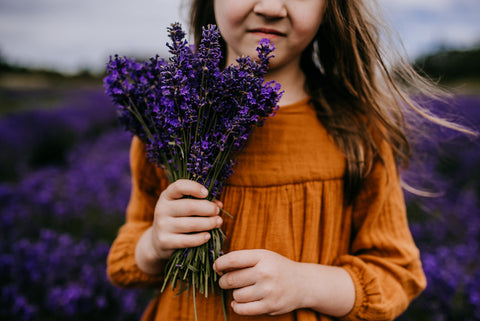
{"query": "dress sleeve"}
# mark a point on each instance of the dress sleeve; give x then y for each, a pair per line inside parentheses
(384, 261)
(147, 183)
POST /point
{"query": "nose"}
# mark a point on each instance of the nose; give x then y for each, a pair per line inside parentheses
(271, 9)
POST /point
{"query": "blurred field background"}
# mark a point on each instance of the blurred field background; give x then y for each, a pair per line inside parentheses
(65, 182)
(64, 185)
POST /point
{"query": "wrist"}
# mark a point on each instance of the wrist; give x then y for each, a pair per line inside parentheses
(327, 289)
(147, 258)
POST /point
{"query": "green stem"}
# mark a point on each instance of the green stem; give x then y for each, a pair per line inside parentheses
(224, 305)
(133, 109)
(194, 299)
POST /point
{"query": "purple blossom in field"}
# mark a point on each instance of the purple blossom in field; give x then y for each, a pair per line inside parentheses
(58, 217)
(89, 193)
(446, 231)
(55, 277)
(445, 226)
(38, 138)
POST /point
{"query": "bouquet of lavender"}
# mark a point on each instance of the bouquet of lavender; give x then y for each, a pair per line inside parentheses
(195, 118)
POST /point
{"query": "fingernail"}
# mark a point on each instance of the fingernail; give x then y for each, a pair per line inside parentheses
(204, 192)
(219, 221)
(207, 236)
(215, 269)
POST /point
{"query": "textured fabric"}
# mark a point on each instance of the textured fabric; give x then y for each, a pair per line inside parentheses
(286, 195)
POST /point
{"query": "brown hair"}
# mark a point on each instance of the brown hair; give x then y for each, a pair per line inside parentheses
(358, 94)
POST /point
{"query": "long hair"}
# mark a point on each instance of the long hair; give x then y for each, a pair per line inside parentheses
(359, 95)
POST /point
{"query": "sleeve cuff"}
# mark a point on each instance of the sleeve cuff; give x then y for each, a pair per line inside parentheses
(122, 269)
(360, 298)
(368, 297)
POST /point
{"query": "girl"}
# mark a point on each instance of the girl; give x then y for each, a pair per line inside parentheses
(319, 229)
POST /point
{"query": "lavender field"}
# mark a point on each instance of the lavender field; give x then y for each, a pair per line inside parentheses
(64, 185)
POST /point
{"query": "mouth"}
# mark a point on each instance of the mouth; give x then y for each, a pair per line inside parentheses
(267, 33)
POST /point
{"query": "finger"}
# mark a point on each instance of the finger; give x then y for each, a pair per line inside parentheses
(181, 241)
(193, 207)
(249, 308)
(195, 224)
(237, 279)
(237, 260)
(218, 203)
(184, 187)
(247, 294)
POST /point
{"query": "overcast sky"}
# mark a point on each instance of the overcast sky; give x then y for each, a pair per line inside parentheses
(73, 34)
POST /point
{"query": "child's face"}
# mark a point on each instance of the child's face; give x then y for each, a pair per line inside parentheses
(290, 24)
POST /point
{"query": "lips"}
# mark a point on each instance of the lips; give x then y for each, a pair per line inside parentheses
(267, 32)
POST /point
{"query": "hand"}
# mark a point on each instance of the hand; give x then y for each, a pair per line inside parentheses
(178, 223)
(263, 282)
(183, 222)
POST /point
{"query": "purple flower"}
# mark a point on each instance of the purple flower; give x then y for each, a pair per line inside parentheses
(194, 117)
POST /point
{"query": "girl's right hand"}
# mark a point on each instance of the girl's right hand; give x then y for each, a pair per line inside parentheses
(183, 222)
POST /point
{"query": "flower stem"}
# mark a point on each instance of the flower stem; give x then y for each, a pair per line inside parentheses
(194, 299)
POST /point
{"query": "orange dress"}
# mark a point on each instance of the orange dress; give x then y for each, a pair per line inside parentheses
(286, 195)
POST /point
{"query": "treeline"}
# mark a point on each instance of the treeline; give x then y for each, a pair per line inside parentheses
(444, 65)
(451, 65)
(7, 68)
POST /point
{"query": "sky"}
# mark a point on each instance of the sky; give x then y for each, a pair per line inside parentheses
(69, 35)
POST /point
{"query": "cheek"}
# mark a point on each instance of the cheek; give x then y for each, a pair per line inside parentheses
(307, 28)
(227, 14)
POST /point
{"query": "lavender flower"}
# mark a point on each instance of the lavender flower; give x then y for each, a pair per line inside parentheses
(195, 118)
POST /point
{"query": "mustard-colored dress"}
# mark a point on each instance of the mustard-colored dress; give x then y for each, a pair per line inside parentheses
(286, 195)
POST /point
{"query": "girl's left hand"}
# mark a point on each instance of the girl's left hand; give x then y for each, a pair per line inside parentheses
(263, 282)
